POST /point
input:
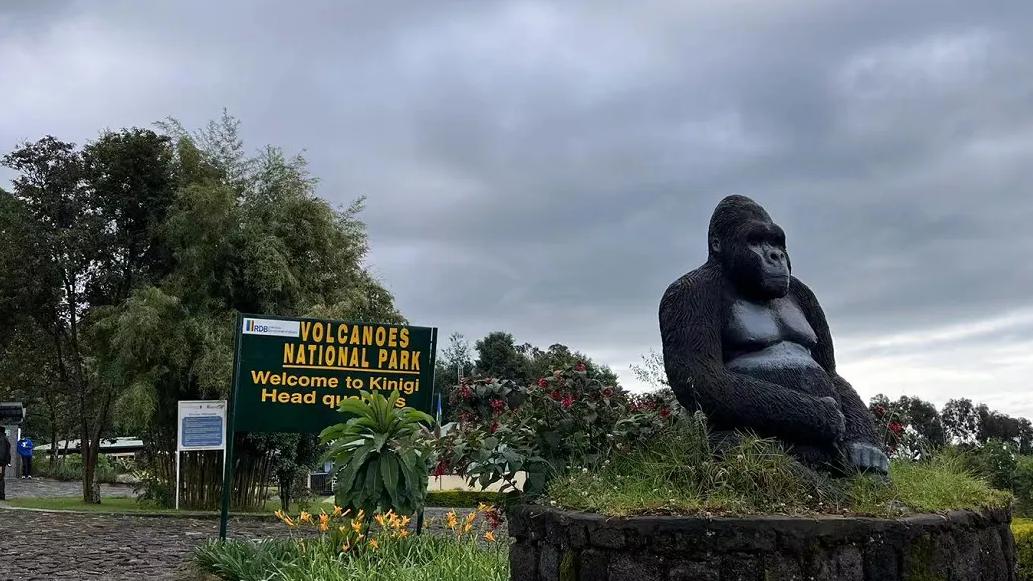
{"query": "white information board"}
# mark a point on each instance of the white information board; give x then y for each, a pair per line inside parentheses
(200, 425)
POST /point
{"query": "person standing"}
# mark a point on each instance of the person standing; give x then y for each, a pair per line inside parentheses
(25, 447)
(5, 461)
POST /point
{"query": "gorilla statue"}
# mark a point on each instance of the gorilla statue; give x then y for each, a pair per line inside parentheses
(747, 343)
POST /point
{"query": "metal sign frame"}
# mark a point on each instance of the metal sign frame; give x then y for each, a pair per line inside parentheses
(192, 409)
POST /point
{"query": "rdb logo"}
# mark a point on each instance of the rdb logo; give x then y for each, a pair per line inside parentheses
(253, 327)
(271, 327)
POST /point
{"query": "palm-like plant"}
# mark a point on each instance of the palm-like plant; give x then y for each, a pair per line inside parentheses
(381, 454)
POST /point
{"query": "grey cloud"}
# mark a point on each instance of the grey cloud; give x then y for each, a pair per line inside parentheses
(547, 168)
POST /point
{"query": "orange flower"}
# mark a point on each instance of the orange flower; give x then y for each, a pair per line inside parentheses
(489, 536)
(324, 522)
(337, 511)
(305, 517)
(373, 544)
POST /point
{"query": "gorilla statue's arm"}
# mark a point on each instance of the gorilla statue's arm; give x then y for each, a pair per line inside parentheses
(859, 427)
(691, 323)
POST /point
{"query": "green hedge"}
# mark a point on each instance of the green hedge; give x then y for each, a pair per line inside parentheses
(1023, 531)
(462, 498)
(70, 468)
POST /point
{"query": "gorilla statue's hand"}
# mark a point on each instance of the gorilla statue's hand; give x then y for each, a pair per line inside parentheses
(830, 402)
(866, 458)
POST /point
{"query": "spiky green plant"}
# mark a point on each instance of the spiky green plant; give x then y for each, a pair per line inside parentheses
(381, 454)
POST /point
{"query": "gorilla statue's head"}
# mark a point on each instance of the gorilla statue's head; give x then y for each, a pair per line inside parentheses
(750, 248)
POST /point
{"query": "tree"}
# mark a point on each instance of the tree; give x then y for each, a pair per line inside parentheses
(558, 356)
(241, 234)
(497, 356)
(66, 237)
(960, 421)
(455, 363)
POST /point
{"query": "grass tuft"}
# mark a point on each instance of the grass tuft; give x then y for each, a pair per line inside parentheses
(678, 473)
(419, 558)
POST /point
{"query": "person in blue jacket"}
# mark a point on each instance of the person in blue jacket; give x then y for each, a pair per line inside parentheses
(25, 447)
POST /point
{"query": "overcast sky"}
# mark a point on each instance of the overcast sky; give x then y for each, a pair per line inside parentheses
(549, 168)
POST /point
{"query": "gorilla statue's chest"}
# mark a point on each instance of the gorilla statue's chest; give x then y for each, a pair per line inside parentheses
(756, 326)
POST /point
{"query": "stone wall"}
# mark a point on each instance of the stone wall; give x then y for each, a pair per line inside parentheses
(556, 545)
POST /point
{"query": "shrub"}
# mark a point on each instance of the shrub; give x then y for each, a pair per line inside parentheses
(1022, 485)
(566, 419)
(1023, 531)
(70, 468)
(381, 454)
(463, 498)
(995, 462)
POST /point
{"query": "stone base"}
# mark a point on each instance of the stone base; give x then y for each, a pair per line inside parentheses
(557, 545)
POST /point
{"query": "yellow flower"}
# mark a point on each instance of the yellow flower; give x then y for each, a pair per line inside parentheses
(380, 519)
(489, 536)
(451, 520)
(404, 522)
(346, 546)
(403, 533)
(467, 528)
(470, 518)
(324, 522)
(279, 514)
(482, 507)
(305, 517)
(373, 544)
(338, 511)
(357, 526)
(361, 515)
(289, 522)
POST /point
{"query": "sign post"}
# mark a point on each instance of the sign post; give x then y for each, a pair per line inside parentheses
(291, 374)
(200, 425)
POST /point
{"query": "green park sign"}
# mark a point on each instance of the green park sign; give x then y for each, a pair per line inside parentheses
(292, 374)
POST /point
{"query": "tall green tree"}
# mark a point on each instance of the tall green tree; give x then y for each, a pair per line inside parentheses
(497, 356)
(960, 421)
(241, 234)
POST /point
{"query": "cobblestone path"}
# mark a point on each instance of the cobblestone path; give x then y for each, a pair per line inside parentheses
(40, 545)
(45, 487)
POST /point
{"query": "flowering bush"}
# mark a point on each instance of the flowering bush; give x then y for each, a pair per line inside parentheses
(348, 531)
(564, 419)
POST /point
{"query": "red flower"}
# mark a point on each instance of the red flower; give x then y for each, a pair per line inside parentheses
(494, 426)
(879, 411)
(494, 518)
(497, 405)
(607, 392)
(465, 392)
(441, 469)
(665, 412)
(568, 400)
(896, 428)
(580, 366)
(466, 417)
(556, 395)
(542, 382)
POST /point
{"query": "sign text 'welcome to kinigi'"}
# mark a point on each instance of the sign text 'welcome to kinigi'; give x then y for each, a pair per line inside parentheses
(293, 373)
